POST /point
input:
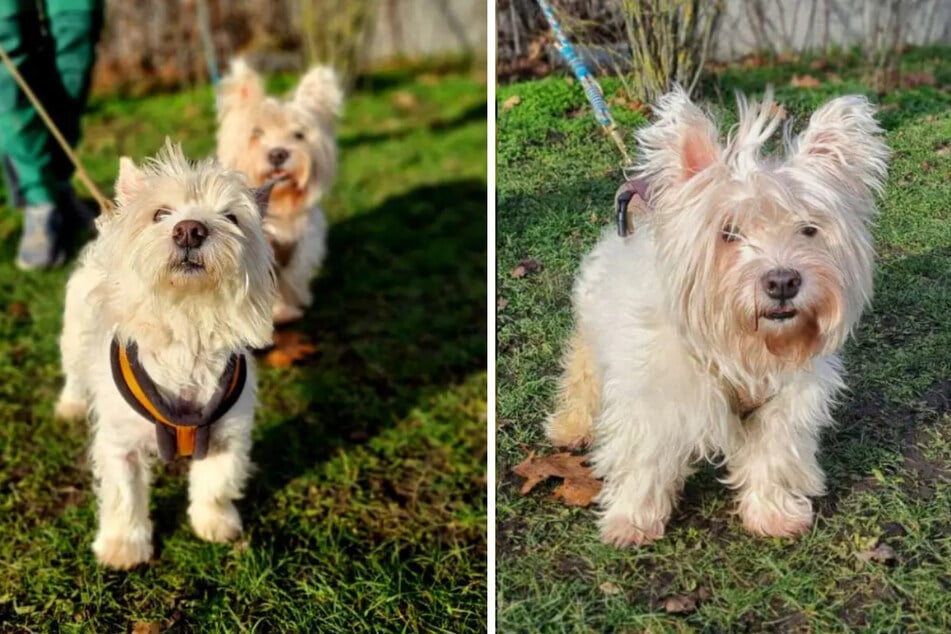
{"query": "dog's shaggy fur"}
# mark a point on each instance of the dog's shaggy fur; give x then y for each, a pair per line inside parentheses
(712, 331)
(188, 310)
(295, 140)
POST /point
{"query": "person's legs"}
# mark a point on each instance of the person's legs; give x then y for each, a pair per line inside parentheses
(56, 61)
(24, 139)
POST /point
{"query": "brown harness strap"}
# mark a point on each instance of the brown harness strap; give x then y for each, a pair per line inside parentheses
(181, 425)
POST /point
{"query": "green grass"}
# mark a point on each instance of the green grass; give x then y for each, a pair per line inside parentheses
(368, 512)
(887, 461)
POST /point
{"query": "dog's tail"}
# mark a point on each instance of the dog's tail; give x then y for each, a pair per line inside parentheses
(320, 92)
(579, 397)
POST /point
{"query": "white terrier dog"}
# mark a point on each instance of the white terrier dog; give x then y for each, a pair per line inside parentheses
(293, 140)
(159, 316)
(712, 331)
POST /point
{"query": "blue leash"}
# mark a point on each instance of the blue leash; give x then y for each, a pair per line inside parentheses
(209, 46)
(596, 98)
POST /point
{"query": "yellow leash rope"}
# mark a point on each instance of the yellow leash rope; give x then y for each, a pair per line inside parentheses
(104, 204)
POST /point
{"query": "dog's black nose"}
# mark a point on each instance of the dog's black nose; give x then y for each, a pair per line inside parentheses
(782, 283)
(277, 156)
(189, 234)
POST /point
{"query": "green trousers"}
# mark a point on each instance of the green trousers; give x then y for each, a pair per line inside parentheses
(53, 45)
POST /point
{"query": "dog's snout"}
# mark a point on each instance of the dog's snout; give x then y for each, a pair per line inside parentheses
(277, 156)
(189, 234)
(782, 283)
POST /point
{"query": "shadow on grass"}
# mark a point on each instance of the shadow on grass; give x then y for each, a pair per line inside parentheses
(471, 114)
(399, 313)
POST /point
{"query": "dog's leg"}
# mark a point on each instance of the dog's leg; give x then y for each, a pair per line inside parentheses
(124, 539)
(214, 483)
(73, 399)
(773, 463)
(644, 444)
(579, 397)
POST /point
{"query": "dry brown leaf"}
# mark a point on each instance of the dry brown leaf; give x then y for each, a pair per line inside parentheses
(501, 303)
(18, 310)
(577, 491)
(680, 604)
(882, 553)
(511, 102)
(942, 148)
(579, 486)
(804, 81)
(290, 346)
(778, 110)
(149, 627)
(405, 100)
(525, 267)
(819, 64)
(685, 603)
(833, 78)
(923, 78)
(609, 588)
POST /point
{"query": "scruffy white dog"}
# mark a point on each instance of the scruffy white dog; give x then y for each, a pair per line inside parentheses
(159, 316)
(712, 331)
(293, 140)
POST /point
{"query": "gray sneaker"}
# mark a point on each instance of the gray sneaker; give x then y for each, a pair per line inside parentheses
(40, 245)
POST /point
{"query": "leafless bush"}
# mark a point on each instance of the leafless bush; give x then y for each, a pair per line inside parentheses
(669, 41)
(335, 32)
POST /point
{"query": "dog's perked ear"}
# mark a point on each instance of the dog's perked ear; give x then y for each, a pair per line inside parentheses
(262, 195)
(319, 92)
(682, 142)
(129, 182)
(844, 141)
(241, 87)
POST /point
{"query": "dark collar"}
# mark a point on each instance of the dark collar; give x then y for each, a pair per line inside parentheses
(181, 425)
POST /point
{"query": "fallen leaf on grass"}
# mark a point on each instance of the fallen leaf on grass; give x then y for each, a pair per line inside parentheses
(833, 78)
(778, 110)
(680, 604)
(18, 310)
(882, 553)
(579, 486)
(804, 81)
(685, 603)
(526, 266)
(942, 148)
(501, 303)
(405, 100)
(511, 102)
(150, 627)
(924, 78)
(609, 588)
(290, 346)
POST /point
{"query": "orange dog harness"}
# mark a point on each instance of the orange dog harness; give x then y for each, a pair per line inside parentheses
(182, 427)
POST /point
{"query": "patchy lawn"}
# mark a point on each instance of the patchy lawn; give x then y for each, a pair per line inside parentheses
(888, 461)
(368, 512)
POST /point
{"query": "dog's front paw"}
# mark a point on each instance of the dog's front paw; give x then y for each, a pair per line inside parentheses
(69, 409)
(788, 517)
(217, 523)
(122, 552)
(284, 314)
(621, 532)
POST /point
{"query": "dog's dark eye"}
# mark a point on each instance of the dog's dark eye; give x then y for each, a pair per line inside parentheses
(160, 213)
(730, 233)
(233, 218)
(300, 136)
(809, 231)
(257, 133)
